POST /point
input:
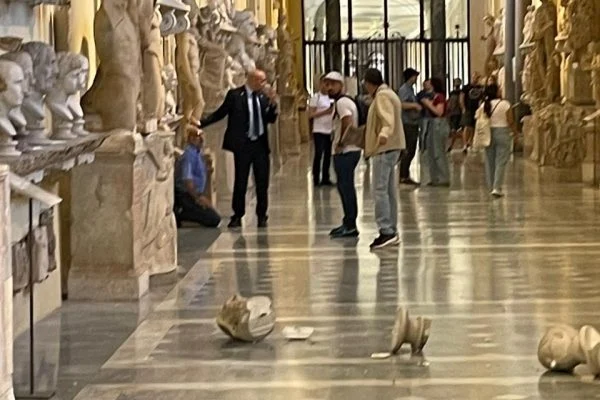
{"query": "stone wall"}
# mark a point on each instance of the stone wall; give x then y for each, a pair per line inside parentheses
(6, 323)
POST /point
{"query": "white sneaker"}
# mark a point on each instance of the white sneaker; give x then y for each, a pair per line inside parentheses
(497, 194)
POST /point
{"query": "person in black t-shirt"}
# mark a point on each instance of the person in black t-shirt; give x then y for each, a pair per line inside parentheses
(470, 99)
(454, 111)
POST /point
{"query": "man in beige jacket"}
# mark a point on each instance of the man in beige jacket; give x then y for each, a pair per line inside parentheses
(384, 142)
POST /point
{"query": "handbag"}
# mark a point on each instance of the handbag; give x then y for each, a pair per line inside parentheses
(482, 137)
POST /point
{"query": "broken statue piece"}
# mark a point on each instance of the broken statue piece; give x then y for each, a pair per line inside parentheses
(562, 348)
(415, 331)
(248, 320)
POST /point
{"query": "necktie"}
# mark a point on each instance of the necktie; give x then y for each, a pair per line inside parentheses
(256, 116)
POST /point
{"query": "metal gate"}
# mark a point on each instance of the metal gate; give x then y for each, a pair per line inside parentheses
(391, 56)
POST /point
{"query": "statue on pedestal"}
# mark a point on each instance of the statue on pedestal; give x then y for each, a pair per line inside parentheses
(62, 100)
(114, 94)
(491, 43)
(75, 104)
(11, 98)
(591, 62)
(187, 64)
(528, 27)
(499, 26)
(267, 58)
(244, 43)
(169, 78)
(45, 72)
(285, 68)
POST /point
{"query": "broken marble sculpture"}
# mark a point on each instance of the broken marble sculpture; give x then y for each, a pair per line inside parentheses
(248, 320)
(413, 331)
(562, 348)
(11, 98)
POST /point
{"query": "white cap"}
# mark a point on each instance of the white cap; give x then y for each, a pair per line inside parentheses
(334, 76)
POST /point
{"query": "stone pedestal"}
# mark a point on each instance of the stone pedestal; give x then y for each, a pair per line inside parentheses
(578, 90)
(123, 228)
(590, 169)
(6, 315)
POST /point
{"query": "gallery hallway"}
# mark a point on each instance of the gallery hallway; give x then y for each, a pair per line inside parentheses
(492, 274)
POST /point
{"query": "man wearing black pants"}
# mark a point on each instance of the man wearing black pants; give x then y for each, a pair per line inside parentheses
(249, 112)
(411, 116)
(321, 116)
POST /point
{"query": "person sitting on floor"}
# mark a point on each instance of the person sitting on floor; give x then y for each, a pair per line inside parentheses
(190, 181)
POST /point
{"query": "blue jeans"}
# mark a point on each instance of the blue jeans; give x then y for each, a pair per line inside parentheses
(437, 139)
(496, 157)
(344, 165)
(385, 191)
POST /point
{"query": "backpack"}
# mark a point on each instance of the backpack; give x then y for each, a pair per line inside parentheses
(361, 107)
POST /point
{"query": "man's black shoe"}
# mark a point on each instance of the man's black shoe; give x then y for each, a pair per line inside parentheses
(235, 223)
(262, 222)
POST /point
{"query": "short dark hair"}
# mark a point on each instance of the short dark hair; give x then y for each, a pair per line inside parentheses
(410, 73)
(438, 84)
(373, 76)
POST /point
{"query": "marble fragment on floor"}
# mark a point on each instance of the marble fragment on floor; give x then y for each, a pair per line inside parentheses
(492, 275)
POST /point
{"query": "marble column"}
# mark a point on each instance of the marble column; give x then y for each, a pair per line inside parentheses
(509, 46)
(6, 307)
(438, 39)
(333, 48)
(520, 11)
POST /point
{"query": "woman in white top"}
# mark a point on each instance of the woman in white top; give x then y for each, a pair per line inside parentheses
(502, 126)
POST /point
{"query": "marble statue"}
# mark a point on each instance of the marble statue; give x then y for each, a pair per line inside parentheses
(45, 72)
(412, 331)
(75, 103)
(579, 26)
(24, 61)
(591, 62)
(528, 27)
(243, 45)
(562, 348)
(285, 60)
(248, 320)
(267, 58)
(544, 32)
(62, 100)
(499, 26)
(214, 21)
(11, 98)
(491, 43)
(114, 94)
(187, 63)
(153, 90)
(169, 78)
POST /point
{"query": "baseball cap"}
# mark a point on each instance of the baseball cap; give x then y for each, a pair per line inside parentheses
(334, 76)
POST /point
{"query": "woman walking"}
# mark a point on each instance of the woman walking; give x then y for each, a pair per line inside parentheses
(438, 130)
(502, 127)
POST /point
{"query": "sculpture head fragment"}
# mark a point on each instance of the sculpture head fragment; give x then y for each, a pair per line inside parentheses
(45, 68)
(249, 320)
(559, 349)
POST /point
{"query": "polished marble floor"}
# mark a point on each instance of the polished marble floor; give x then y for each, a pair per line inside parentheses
(492, 274)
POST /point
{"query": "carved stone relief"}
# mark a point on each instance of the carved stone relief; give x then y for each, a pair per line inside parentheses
(20, 265)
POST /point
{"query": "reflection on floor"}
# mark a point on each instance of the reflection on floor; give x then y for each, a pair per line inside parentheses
(492, 274)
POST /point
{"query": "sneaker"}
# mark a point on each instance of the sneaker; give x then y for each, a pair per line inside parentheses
(497, 194)
(343, 232)
(385, 240)
(408, 181)
(235, 223)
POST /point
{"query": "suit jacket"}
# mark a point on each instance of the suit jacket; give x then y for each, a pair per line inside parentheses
(236, 108)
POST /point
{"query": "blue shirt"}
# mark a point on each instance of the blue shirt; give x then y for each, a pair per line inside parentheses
(407, 95)
(261, 127)
(191, 167)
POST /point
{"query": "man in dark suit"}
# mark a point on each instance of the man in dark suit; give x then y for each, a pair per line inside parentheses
(249, 111)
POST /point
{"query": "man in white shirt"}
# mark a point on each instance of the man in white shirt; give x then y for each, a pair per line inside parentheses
(321, 109)
(345, 158)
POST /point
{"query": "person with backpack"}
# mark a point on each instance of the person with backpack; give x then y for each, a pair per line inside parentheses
(346, 153)
(411, 117)
(384, 141)
(497, 115)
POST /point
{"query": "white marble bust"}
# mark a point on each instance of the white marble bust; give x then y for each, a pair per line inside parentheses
(75, 100)
(24, 61)
(63, 99)
(45, 72)
(11, 98)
